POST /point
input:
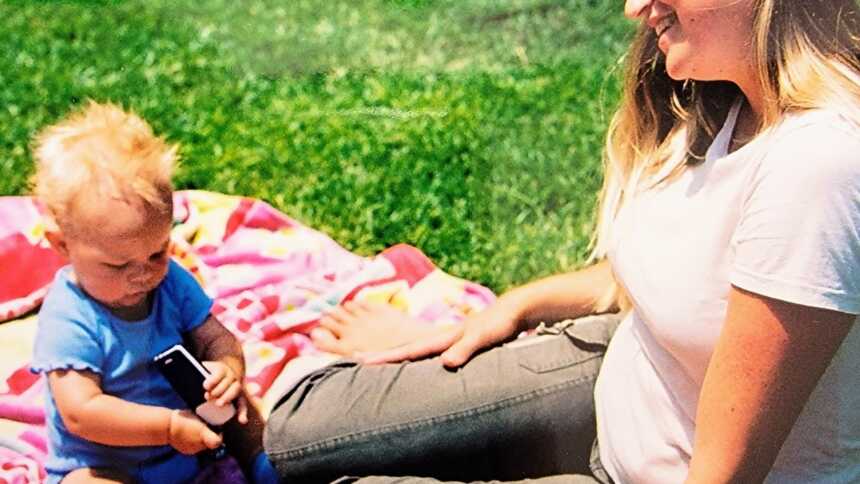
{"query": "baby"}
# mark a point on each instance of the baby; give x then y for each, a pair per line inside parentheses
(105, 180)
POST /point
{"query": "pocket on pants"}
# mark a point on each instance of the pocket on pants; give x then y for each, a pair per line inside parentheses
(547, 353)
(589, 332)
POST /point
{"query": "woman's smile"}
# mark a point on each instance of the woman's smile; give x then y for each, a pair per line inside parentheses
(664, 24)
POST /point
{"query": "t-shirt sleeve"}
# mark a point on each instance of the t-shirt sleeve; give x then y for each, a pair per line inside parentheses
(798, 239)
(67, 337)
(191, 301)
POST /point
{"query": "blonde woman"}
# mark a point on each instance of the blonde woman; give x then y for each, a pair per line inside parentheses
(729, 238)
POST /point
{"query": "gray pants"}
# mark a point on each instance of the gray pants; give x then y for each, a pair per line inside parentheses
(520, 411)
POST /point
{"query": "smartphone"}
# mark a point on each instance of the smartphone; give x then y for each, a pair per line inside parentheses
(186, 376)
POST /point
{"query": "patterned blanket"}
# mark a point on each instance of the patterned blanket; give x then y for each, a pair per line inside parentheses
(271, 278)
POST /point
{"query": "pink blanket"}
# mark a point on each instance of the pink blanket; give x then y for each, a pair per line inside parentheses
(270, 276)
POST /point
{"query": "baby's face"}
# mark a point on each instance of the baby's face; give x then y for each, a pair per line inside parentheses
(122, 254)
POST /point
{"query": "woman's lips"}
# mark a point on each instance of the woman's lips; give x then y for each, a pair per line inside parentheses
(665, 24)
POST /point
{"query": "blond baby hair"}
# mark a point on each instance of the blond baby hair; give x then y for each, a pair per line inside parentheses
(101, 151)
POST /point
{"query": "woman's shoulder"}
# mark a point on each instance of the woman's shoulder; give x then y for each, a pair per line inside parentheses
(824, 129)
(819, 144)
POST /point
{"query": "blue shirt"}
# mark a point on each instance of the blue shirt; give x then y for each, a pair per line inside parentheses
(76, 332)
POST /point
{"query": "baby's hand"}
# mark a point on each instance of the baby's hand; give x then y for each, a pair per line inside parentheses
(189, 435)
(224, 386)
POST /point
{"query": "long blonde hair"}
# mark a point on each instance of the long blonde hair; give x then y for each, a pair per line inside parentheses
(806, 54)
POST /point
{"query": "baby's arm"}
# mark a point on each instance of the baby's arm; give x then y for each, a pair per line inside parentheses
(221, 353)
(98, 417)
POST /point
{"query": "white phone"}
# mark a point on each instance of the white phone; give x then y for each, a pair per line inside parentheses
(186, 376)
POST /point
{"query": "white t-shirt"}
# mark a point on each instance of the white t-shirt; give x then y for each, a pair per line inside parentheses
(779, 217)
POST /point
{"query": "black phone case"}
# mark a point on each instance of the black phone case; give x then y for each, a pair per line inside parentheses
(185, 379)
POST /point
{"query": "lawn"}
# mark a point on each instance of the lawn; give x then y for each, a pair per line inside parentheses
(471, 129)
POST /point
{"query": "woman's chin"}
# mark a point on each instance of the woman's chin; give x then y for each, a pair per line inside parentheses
(677, 58)
(677, 76)
(676, 70)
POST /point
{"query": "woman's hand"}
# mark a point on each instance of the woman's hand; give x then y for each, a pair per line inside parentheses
(188, 435)
(224, 386)
(482, 330)
(554, 298)
(458, 343)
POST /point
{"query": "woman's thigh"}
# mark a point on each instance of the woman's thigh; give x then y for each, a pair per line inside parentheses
(520, 410)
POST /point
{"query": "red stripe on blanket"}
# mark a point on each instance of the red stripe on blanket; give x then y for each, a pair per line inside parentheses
(410, 265)
(237, 218)
(255, 214)
(21, 380)
(30, 267)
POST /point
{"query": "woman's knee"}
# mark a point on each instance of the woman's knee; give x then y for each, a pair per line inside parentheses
(304, 413)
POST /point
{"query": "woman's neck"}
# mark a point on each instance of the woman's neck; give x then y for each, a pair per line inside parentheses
(749, 121)
(746, 127)
(753, 91)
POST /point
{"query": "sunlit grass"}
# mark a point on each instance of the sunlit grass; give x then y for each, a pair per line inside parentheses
(470, 129)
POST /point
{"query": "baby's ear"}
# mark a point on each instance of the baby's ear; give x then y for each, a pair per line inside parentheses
(57, 240)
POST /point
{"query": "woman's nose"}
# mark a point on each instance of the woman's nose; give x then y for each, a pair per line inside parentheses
(633, 9)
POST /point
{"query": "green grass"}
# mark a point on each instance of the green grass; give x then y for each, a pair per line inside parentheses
(471, 129)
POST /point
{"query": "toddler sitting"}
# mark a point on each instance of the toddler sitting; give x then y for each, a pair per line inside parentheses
(105, 180)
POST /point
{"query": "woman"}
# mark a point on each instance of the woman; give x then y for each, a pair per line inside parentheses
(729, 226)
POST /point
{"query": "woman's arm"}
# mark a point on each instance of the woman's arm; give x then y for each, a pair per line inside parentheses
(554, 298)
(768, 359)
(563, 296)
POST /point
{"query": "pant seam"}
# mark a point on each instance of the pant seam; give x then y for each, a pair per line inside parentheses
(333, 442)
